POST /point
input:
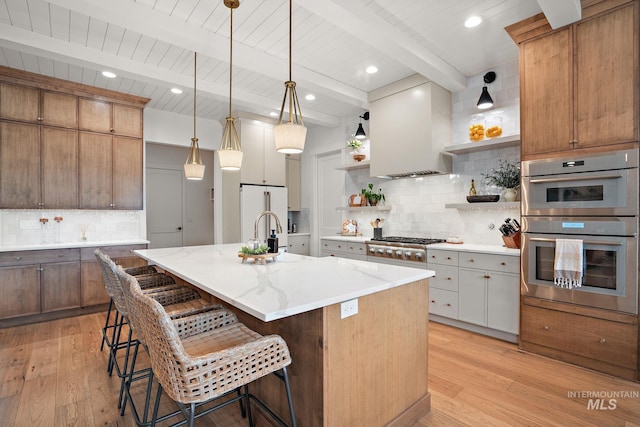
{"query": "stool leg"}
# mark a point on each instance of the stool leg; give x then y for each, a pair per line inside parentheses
(106, 324)
(248, 400)
(288, 389)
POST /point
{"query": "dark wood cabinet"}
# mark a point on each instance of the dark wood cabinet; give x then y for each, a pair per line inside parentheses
(127, 173)
(20, 287)
(21, 103)
(59, 151)
(60, 285)
(19, 165)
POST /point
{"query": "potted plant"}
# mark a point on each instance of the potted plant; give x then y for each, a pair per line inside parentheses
(506, 176)
(372, 197)
(356, 146)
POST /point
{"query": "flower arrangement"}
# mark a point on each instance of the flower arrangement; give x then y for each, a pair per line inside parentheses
(355, 145)
(507, 175)
(372, 196)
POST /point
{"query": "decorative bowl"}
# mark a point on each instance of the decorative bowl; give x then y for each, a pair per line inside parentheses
(483, 198)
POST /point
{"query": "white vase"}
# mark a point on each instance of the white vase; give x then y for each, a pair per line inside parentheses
(510, 194)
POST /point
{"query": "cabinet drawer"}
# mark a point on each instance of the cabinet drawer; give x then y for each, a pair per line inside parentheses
(446, 277)
(443, 303)
(38, 257)
(439, 256)
(603, 340)
(357, 250)
(504, 263)
(334, 245)
(122, 251)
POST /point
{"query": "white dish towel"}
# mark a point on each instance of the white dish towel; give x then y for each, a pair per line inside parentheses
(567, 267)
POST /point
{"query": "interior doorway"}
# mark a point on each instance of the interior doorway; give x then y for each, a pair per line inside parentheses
(179, 212)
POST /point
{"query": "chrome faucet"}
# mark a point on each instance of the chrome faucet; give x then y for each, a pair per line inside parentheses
(255, 226)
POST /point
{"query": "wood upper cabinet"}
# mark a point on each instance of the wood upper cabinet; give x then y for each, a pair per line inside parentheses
(19, 165)
(29, 104)
(107, 117)
(59, 150)
(579, 84)
(110, 172)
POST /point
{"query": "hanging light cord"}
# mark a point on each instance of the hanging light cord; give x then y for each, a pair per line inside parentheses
(290, 28)
(230, 56)
(195, 59)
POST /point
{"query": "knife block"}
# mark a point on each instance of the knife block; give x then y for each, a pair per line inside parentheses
(512, 241)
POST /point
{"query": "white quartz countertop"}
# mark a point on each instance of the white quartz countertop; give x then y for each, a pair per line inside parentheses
(290, 285)
(298, 234)
(70, 245)
(469, 247)
(360, 239)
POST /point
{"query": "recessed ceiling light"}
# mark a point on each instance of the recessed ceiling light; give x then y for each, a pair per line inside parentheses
(109, 74)
(273, 114)
(371, 69)
(310, 97)
(473, 21)
(176, 90)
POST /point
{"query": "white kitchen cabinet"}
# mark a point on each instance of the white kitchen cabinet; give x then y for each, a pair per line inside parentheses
(294, 194)
(343, 249)
(261, 163)
(299, 244)
(475, 291)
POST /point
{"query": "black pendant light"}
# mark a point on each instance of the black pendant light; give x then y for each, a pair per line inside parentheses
(485, 100)
(360, 132)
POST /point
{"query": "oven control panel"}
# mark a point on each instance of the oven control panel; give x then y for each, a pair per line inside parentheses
(408, 254)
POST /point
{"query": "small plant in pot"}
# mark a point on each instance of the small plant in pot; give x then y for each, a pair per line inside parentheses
(506, 176)
(373, 197)
(356, 146)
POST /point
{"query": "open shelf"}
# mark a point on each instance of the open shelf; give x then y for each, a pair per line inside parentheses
(353, 166)
(484, 205)
(364, 208)
(486, 144)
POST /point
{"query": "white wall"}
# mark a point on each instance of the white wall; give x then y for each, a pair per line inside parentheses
(418, 203)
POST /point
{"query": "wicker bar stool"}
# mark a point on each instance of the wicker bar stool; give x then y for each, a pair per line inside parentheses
(198, 360)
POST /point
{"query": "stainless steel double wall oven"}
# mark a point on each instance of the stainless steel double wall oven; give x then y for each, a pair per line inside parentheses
(592, 198)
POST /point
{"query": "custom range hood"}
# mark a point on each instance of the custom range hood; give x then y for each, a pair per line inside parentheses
(410, 123)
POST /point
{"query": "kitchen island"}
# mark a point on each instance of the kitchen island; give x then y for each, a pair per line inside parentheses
(366, 369)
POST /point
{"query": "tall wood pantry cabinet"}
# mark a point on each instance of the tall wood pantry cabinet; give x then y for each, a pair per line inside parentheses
(76, 146)
(579, 84)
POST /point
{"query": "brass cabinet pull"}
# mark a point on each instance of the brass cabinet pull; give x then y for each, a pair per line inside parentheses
(18, 258)
(503, 263)
(486, 276)
(448, 305)
(433, 301)
(449, 278)
(603, 341)
(546, 328)
(472, 260)
(448, 257)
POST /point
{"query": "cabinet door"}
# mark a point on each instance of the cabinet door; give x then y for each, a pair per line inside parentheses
(127, 173)
(94, 115)
(19, 102)
(606, 78)
(503, 301)
(472, 296)
(275, 169)
(59, 168)
(20, 288)
(545, 91)
(95, 170)
(60, 286)
(294, 194)
(59, 109)
(252, 140)
(127, 120)
(19, 165)
(93, 290)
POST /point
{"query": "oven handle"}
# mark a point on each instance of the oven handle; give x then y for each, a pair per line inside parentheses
(573, 178)
(542, 239)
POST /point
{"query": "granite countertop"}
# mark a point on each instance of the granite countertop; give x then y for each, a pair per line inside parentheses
(290, 285)
(338, 237)
(71, 245)
(470, 247)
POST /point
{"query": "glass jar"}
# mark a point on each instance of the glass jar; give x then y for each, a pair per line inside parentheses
(476, 128)
(493, 128)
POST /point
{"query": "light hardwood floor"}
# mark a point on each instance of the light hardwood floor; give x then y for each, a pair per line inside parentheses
(53, 374)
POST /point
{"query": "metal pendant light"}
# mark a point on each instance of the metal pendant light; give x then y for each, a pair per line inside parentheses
(290, 136)
(193, 167)
(230, 153)
(360, 134)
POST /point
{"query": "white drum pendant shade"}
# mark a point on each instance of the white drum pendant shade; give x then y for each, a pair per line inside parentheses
(230, 160)
(193, 171)
(289, 137)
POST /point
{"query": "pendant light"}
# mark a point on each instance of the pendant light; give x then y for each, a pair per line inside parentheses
(289, 137)
(230, 153)
(193, 167)
(485, 100)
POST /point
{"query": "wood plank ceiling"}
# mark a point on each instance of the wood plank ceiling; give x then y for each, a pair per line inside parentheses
(149, 44)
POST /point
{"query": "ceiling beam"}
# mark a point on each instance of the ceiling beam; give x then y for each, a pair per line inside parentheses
(354, 18)
(59, 50)
(156, 25)
(561, 13)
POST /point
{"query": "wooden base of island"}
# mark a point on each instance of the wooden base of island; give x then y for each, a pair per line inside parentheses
(369, 369)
